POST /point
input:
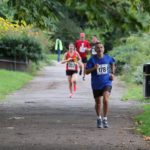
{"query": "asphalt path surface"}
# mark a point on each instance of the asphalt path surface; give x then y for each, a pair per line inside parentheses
(41, 116)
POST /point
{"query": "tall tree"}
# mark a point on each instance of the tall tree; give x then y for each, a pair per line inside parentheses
(42, 13)
(114, 18)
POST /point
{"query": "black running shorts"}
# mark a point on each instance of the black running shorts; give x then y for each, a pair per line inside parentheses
(97, 93)
(84, 60)
(71, 72)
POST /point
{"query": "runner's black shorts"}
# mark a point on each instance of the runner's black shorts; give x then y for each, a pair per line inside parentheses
(97, 93)
(71, 72)
(84, 60)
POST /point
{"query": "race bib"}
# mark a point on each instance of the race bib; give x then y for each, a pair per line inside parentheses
(93, 51)
(82, 48)
(102, 69)
(71, 66)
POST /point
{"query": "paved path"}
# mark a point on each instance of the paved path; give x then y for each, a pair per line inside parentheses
(40, 116)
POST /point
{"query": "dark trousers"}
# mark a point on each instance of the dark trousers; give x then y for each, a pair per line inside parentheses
(59, 53)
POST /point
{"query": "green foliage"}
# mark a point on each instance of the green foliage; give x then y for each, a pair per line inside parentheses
(67, 30)
(22, 42)
(6, 26)
(5, 11)
(42, 13)
(54, 57)
(143, 121)
(132, 54)
(11, 81)
(95, 31)
(138, 75)
(116, 19)
(20, 47)
(134, 92)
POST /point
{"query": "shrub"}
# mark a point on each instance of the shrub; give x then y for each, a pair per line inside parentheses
(133, 53)
(22, 42)
(6, 26)
(20, 47)
(138, 75)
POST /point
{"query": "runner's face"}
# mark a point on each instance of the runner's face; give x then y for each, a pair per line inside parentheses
(94, 39)
(82, 38)
(100, 49)
(71, 47)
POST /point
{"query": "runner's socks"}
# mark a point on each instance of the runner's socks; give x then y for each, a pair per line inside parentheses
(75, 87)
(99, 117)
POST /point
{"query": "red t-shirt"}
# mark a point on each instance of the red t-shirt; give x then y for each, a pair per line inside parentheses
(81, 46)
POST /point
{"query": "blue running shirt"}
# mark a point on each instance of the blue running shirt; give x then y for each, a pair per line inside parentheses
(100, 77)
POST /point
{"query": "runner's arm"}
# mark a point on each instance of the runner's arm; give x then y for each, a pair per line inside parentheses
(113, 68)
(65, 59)
(88, 71)
(78, 56)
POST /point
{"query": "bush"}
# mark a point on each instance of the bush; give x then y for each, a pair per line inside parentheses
(22, 42)
(138, 75)
(132, 54)
(68, 31)
(6, 26)
(20, 47)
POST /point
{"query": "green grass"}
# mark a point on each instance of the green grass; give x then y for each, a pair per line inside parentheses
(143, 121)
(54, 56)
(134, 92)
(11, 81)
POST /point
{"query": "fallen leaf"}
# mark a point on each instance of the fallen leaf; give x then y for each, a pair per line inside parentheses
(147, 138)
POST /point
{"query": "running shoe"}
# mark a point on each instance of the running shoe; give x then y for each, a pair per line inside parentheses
(105, 123)
(83, 78)
(71, 95)
(99, 123)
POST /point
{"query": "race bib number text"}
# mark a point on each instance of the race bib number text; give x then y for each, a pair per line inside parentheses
(71, 66)
(102, 69)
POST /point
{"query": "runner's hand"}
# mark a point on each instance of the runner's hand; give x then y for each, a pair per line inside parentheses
(95, 67)
(69, 59)
(87, 49)
(112, 77)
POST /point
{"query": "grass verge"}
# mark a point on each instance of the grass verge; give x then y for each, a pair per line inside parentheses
(135, 92)
(11, 81)
(143, 121)
(54, 56)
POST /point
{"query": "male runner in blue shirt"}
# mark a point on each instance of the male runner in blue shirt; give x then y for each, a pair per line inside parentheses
(102, 69)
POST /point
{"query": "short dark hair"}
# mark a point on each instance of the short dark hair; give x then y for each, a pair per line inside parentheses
(97, 44)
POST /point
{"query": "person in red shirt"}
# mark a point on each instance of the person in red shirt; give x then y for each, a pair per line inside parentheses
(71, 58)
(82, 47)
